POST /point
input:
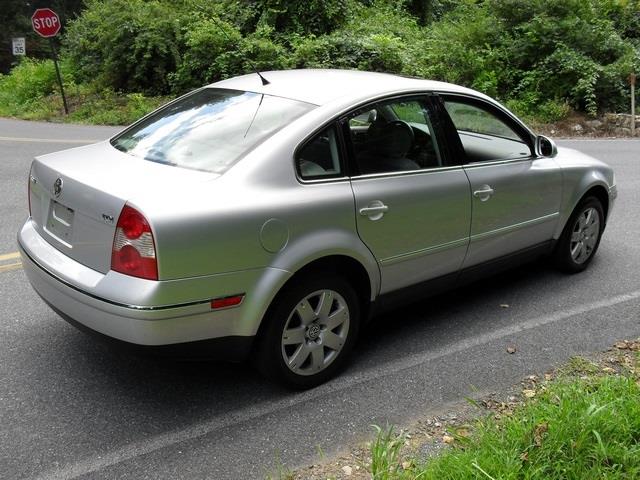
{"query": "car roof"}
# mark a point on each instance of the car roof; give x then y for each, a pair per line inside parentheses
(322, 86)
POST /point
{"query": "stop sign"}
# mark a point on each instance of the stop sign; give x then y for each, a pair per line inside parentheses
(45, 22)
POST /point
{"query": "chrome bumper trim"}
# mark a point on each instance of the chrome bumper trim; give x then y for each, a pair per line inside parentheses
(102, 299)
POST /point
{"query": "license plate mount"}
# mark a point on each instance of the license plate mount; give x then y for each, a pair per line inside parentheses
(60, 222)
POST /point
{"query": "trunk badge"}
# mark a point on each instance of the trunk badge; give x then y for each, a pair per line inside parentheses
(57, 187)
(107, 218)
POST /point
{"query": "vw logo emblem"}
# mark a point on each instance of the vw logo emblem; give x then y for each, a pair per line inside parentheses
(57, 187)
(313, 331)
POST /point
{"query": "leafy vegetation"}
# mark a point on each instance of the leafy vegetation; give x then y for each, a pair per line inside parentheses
(542, 57)
(31, 92)
(585, 424)
(577, 429)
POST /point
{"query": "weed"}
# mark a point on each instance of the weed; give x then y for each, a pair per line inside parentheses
(385, 453)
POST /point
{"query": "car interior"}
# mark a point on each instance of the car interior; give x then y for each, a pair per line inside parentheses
(396, 136)
(388, 138)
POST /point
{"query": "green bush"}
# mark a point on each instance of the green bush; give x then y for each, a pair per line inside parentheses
(212, 54)
(129, 45)
(379, 38)
(381, 53)
(29, 80)
(531, 109)
(545, 49)
(310, 17)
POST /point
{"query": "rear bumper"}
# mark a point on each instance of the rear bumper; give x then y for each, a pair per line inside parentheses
(228, 349)
(143, 312)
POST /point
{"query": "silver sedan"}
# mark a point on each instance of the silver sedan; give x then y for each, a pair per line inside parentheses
(270, 219)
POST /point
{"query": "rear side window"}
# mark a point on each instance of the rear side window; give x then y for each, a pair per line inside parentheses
(320, 158)
(484, 135)
(210, 129)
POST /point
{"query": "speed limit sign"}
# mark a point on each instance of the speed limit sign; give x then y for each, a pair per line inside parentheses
(18, 46)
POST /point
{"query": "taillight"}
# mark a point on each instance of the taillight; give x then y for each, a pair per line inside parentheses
(134, 251)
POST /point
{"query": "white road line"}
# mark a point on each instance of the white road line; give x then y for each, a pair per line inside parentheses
(163, 440)
(48, 140)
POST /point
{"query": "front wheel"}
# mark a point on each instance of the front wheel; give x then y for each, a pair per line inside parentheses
(581, 236)
(310, 331)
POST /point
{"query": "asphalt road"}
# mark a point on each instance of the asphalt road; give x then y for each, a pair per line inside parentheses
(74, 408)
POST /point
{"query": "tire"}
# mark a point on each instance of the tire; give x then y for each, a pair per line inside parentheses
(310, 331)
(581, 236)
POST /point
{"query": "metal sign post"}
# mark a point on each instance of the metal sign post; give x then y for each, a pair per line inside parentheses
(55, 63)
(46, 23)
(632, 82)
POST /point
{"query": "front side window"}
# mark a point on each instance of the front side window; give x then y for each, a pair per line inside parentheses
(210, 129)
(394, 136)
(484, 135)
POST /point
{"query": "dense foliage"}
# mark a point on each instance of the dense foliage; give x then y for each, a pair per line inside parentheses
(542, 57)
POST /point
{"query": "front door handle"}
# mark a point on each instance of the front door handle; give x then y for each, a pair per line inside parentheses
(484, 193)
(375, 210)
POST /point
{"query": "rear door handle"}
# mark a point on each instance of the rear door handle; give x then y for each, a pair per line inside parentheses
(375, 210)
(484, 193)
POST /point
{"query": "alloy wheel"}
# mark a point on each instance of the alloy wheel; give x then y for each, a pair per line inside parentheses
(315, 332)
(584, 236)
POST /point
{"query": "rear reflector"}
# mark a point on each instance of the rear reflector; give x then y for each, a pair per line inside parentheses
(226, 302)
(134, 251)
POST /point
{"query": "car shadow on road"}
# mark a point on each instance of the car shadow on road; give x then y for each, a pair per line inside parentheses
(461, 313)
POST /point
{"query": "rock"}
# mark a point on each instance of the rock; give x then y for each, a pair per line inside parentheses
(577, 128)
(594, 124)
(448, 439)
(347, 470)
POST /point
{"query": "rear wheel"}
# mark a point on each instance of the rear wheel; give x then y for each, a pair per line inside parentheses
(310, 331)
(581, 236)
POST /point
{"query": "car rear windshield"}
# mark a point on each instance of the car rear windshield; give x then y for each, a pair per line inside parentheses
(209, 129)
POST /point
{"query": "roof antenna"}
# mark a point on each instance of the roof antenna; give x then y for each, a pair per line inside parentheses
(262, 79)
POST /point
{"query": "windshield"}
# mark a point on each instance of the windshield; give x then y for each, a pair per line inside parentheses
(210, 129)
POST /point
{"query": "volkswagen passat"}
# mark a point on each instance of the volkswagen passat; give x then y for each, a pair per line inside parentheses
(270, 219)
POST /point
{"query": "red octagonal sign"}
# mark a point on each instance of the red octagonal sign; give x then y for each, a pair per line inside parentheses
(45, 22)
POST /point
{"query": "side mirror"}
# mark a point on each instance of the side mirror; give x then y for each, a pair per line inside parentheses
(545, 147)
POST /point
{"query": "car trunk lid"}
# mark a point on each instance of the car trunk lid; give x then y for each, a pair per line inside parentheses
(77, 195)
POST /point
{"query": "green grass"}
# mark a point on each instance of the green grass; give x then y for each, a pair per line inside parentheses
(385, 453)
(576, 428)
(86, 107)
(30, 92)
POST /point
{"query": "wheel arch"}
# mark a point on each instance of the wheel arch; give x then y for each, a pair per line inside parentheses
(601, 194)
(343, 265)
(598, 190)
